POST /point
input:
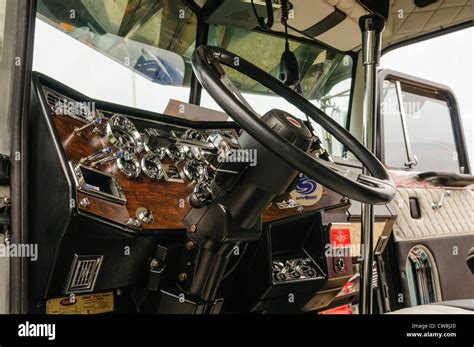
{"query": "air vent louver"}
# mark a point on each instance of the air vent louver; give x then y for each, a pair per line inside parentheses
(62, 105)
(83, 273)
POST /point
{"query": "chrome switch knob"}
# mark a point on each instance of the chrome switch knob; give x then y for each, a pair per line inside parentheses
(144, 215)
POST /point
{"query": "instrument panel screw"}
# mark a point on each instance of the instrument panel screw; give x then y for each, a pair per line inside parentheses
(299, 209)
(193, 228)
(155, 264)
(190, 245)
(84, 203)
(182, 276)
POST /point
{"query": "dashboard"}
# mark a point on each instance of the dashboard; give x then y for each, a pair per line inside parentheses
(105, 180)
(145, 173)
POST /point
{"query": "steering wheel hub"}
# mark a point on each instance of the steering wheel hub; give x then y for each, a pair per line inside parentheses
(288, 127)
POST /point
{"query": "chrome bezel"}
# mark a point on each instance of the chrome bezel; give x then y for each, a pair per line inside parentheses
(118, 123)
(155, 173)
(160, 152)
(82, 186)
(129, 158)
(176, 152)
(188, 171)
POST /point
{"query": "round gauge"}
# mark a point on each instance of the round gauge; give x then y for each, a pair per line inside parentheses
(121, 133)
(210, 174)
(151, 166)
(193, 134)
(176, 152)
(129, 165)
(194, 171)
(156, 142)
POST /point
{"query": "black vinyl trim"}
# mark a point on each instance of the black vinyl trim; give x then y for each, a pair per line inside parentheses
(326, 24)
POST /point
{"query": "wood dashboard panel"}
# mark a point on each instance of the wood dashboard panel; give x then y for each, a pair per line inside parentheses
(168, 201)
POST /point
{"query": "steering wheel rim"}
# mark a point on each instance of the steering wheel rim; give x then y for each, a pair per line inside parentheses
(375, 189)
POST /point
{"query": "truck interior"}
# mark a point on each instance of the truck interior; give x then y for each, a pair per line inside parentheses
(238, 156)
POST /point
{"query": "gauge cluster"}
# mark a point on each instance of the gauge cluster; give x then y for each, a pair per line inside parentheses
(158, 151)
(144, 171)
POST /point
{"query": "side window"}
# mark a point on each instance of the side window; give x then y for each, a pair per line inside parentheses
(419, 135)
(431, 132)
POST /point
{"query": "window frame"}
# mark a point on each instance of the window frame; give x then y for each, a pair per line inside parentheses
(425, 88)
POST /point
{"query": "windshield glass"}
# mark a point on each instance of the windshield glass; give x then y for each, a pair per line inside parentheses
(138, 53)
(326, 75)
(133, 53)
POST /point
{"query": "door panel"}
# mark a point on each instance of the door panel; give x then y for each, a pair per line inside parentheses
(455, 217)
(421, 132)
(447, 232)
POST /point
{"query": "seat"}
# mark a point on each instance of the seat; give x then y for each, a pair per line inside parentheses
(465, 306)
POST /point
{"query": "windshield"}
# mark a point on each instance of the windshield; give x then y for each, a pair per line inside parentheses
(326, 75)
(138, 53)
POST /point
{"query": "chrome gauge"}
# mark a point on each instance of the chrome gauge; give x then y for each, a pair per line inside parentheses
(151, 166)
(195, 171)
(193, 134)
(122, 133)
(176, 152)
(155, 142)
(129, 165)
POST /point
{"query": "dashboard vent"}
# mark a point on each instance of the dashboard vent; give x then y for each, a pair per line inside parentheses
(62, 105)
(83, 273)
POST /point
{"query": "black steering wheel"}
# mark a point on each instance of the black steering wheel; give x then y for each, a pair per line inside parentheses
(375, 189)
